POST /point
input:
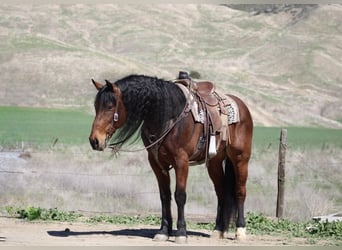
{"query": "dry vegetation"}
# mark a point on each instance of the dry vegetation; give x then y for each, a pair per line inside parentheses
(80, 180)
(286, 65)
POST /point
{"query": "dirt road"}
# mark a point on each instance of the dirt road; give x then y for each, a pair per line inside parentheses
(14, 232)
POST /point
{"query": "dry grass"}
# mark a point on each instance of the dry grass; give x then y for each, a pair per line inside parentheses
(80, 179)
(312, 182)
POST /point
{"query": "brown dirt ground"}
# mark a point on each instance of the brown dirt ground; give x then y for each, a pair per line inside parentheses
(14, 232)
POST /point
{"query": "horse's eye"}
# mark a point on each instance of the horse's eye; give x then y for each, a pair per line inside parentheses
(110, 106)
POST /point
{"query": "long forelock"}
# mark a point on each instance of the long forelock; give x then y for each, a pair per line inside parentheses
(104, 95)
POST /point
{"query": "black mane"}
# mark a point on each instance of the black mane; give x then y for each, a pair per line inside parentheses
(149, 101)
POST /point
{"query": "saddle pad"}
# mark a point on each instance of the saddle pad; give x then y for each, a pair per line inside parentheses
(232, 111)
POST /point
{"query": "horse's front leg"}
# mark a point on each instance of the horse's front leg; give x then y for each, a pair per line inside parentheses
(181, 169)
(163, 179)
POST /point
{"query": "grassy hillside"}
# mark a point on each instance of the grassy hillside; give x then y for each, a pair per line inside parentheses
(286, 65)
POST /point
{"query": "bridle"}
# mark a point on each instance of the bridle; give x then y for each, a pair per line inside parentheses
(117, 94)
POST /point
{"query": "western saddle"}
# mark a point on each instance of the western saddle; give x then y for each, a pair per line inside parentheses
(213, 104)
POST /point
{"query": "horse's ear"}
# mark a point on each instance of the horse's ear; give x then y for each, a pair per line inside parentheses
(97, 85)
(113, 86)
(109, 85)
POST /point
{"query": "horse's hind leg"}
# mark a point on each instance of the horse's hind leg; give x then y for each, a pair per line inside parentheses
(163, 179)
(216, 174)
(230, 188)
(240, 165)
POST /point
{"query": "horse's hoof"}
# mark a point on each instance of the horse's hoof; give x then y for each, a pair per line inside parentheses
(216, 234)
(160, 237)
(241, 234)
(181, 240)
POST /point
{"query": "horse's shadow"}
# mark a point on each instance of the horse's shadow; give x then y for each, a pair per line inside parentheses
(144, 232)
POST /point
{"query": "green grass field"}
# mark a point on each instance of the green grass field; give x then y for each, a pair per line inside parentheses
(42, 126)
(298, 137)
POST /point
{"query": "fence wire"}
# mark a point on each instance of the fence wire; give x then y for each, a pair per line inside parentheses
(100, 185)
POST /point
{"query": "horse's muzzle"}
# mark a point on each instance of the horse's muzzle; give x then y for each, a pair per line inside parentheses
(96, 145)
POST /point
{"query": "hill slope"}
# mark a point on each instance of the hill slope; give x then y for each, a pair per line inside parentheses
(287, 67)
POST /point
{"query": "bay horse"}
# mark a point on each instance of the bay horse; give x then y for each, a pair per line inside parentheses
(157, 109)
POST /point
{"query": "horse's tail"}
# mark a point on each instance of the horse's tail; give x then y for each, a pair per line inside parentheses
(230, 206)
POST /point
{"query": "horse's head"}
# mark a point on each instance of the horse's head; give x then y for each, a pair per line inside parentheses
(110, 114)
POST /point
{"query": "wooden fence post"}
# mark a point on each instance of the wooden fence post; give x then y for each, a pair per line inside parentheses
(281, 173)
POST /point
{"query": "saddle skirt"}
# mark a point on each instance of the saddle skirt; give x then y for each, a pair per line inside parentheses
(210, 107)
